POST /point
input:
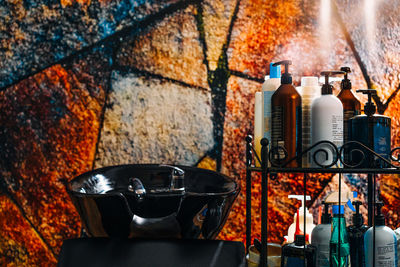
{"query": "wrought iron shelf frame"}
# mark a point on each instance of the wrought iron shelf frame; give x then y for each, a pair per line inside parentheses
(271, 167)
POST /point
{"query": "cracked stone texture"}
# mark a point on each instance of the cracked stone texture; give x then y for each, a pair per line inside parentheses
(380, 56)
(170, 48)
(49, 129)
(267, 31)
(35, 34)
(154, 121)
(239, 119)
(20, 245)
(217, 16)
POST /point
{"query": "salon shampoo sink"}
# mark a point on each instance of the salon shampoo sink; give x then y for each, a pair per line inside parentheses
(153, 201)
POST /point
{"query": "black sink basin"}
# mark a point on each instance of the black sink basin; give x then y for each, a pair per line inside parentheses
(144, 201)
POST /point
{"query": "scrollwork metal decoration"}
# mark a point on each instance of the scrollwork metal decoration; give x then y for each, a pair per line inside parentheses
(350, 155)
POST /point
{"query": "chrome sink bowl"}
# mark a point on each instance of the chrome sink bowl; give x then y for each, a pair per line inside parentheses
(153, 201)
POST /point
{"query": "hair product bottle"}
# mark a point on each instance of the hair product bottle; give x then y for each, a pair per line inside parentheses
(268, 89)
(373, 131)
(351, 105)
(339, 245)
(321, 237)
(326, 122)
(286, 119)
(385, 243)
(308, 90)
(297, 253)
(356, 237)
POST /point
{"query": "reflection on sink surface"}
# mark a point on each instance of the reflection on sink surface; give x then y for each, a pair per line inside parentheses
(155, 201)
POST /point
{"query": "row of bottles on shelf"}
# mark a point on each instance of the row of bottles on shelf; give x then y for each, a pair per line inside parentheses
(296, 119)
(332, 244)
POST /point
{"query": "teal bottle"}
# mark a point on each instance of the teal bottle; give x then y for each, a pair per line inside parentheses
(339, 248)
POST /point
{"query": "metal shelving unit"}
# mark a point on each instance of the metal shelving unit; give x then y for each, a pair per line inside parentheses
(271, 167)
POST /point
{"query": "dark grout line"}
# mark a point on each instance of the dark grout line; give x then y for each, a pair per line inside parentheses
(126, 32)
(129, 69)
(245, 76)
(202, 35)
(218, 81)
(21, 210)
(378, 101)
(233, 19)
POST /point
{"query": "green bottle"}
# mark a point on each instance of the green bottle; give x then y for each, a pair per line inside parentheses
(339, 246)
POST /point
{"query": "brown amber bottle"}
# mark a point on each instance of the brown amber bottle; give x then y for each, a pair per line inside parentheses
(351, 105)
(286, 120)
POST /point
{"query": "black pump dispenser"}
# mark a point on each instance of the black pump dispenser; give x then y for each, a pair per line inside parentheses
(346, 83)
(286, 76)
(379, 218)
(369, 107)
(327, 88)
(326, 217)
(357, 217)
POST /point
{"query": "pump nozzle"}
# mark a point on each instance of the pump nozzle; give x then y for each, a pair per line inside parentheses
(369, 107)
(345, 84)
(327, 88)
(301, 198)
(357, 217)
(286, 77)
(379, 218)
(326, 218)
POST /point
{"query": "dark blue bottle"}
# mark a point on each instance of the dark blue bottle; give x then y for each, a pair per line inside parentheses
(373, 131)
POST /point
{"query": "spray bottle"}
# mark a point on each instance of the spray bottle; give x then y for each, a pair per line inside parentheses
(309, 220)
(339, 247)
(321, 236)
(356, 237)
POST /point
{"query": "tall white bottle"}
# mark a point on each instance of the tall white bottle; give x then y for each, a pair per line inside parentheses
(326, 122)
(309, 90)
(268, 89)
(385, 243)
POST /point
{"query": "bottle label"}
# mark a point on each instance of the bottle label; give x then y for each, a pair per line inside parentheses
(382, 142)
(337, 130)
(277, 133)
(267, 95)
(347, 115)
(386, 255)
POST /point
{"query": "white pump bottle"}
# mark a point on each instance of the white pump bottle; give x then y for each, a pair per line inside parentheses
(309, 219)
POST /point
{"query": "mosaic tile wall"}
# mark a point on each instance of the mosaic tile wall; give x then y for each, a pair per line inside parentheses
(86, 84)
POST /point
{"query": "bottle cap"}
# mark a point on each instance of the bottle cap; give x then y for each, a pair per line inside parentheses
(286, 76)
(337, 209)
(300, 240)
(309, 81)
(274, 71)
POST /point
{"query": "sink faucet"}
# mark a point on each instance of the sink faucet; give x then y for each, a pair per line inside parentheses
(177, 178)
